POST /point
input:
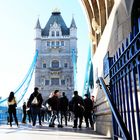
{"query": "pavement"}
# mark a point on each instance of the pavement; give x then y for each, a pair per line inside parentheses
(27, 132)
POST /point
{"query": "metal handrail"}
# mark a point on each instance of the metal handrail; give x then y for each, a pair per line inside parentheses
(114, 110)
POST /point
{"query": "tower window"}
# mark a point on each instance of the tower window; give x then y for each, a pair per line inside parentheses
(62, 82)
(65, 65)
(57, 33)
(55, 64)
(57, 43)
(44, 65)
(53, 33)
(53, 43)
(48, 43)
(62, 43)
(46, 82)
(54, 81)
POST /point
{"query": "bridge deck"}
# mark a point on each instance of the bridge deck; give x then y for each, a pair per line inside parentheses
(44, 132)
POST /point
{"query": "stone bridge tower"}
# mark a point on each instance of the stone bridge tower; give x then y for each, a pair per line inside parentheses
(54, 67)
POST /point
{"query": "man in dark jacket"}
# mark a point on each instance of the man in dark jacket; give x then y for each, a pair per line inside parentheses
(54, 104)
(78, 109)
(35, 103)
(88, 111)
(64, 107)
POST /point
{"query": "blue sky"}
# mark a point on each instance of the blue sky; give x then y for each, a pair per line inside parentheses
(18, 19)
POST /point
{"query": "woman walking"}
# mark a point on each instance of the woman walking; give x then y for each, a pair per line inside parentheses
(12, 108)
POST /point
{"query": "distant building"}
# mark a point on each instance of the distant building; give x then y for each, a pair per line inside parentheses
(55, 44)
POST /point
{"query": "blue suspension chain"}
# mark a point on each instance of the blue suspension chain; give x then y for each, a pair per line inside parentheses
(28, 76)
(87, 72)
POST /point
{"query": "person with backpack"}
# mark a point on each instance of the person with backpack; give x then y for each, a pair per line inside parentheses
(35, 103)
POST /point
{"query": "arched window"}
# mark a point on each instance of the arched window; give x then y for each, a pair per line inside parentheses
(55, 64)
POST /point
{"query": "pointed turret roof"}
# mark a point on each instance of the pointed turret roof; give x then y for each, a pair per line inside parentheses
(38, 24)
(73, 23)
(55, 17)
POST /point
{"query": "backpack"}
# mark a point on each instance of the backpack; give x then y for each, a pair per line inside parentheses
(34, 101)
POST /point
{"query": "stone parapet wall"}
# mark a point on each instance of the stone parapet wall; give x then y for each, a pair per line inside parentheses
(103, 114)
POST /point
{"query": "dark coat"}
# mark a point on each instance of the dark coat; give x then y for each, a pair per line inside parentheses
(77, 104)
(64, 103)
(88, 104)
(54, 103)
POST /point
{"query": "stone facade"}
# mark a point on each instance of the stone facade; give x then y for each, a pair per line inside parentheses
(115, 19)
(55, 66)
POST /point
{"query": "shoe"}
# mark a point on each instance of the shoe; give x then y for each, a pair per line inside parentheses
(79, 126)
(60, 126)
(74, 126)
(51, 125)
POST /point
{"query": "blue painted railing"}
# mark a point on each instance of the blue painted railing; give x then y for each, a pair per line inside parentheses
(4, 115)
(118, 118)
(125, 85)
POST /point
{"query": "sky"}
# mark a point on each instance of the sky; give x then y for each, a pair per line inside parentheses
(17, 33)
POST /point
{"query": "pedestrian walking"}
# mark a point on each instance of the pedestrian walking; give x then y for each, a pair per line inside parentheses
(12, 104)
(35, 103)
(64, 102)
(78, 109)
(88, 105)
(54, 104)
(24, 112)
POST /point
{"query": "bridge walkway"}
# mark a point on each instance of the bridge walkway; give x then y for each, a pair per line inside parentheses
(27, 132)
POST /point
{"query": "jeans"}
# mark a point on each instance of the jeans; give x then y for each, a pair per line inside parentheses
(35, 111)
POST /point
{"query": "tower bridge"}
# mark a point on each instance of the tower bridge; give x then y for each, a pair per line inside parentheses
(112, 70)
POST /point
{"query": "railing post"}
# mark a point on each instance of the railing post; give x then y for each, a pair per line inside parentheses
(114, 110)
(139, 24)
